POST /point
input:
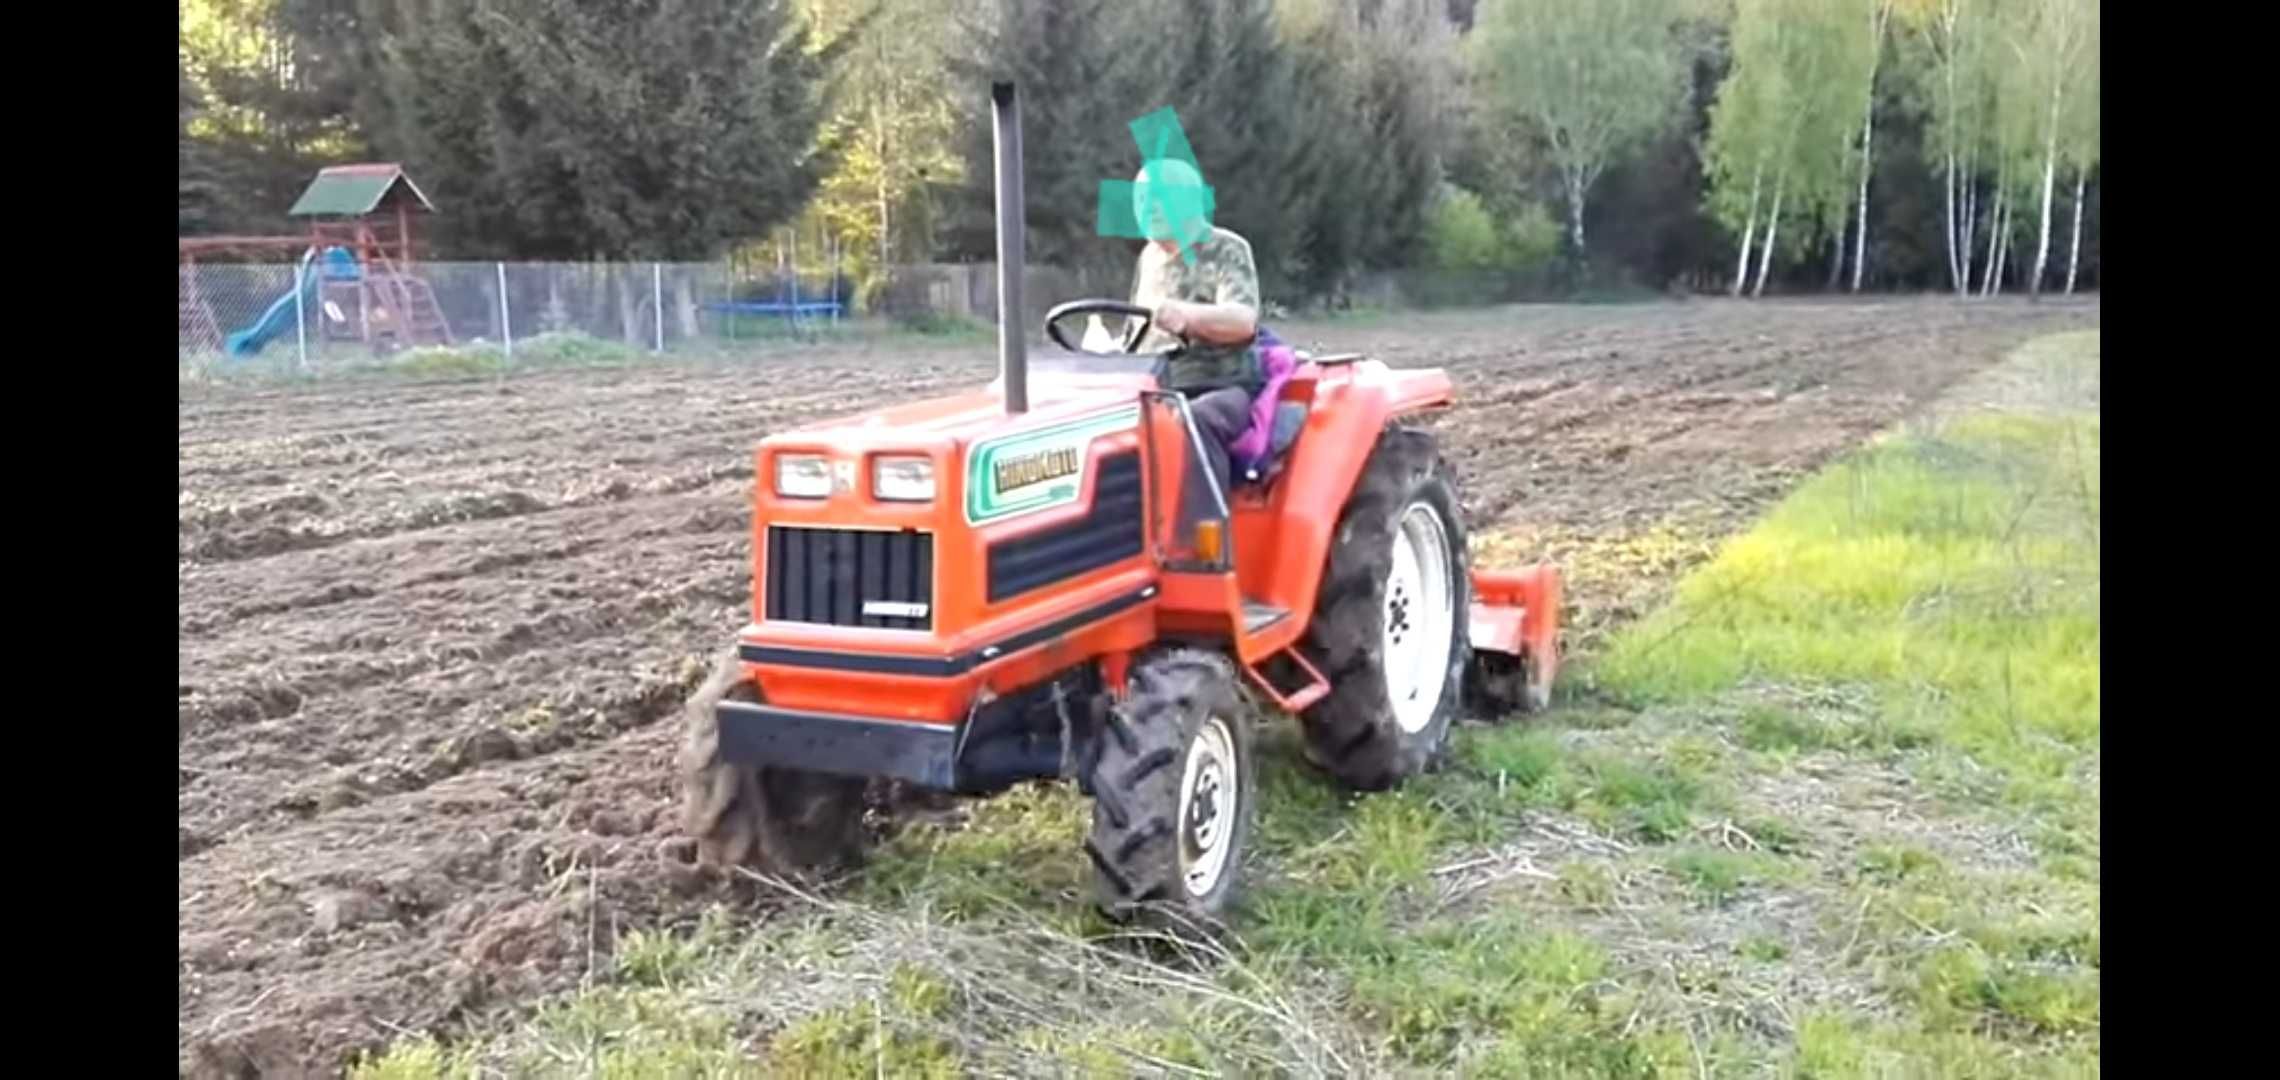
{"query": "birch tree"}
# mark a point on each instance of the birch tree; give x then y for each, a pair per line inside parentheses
(1834, 57)
(1879, 16)
(1958, 78)
(894, 130)
(1741, 137)
(1824, 51)
(1588, 81)
(1776, 123)
(2078, 147)
(2015, 138)
(2046, 42)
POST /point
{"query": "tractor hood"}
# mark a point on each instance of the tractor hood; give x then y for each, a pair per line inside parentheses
(959, 419)
(827, 473)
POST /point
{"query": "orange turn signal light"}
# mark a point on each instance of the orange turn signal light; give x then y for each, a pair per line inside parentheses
(1210, 540)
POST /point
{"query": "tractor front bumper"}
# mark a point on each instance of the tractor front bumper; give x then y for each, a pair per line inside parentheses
(764, 735)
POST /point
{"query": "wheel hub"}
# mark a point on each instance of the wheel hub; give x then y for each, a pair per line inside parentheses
(1203, 811)
(1207, 800)
(1419, 616)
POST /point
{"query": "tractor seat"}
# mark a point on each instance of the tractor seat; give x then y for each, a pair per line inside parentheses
(1289, 419)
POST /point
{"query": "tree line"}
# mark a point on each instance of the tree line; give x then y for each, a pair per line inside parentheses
(1696, 144)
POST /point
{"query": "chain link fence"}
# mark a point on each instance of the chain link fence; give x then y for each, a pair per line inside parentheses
(327, 315)
(318, 316)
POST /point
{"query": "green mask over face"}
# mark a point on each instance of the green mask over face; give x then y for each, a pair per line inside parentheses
(1170, 202)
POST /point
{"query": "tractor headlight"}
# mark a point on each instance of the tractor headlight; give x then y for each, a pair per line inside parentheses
(803, 476)
(903, 479)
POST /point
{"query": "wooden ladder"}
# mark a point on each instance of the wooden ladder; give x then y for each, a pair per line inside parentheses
(414, 316)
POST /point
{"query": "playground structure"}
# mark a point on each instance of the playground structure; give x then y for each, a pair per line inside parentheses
(365, 288)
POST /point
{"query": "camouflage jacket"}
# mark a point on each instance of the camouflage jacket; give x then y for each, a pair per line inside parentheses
(1223, 273)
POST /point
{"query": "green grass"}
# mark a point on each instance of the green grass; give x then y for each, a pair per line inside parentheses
(2009, 951)
(1951, 572)
(1503, 994)
(935, 324)
(1929, 604)
(1716, 876)
(548, 350)
(1652, 794)
(1014, 852)
(1618, 889)
(474, 358)
(1774, 730)
(760, 340)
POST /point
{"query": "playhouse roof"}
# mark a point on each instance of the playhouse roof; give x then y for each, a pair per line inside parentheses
(349, 190)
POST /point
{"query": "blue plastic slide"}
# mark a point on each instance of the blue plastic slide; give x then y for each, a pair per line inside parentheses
(339, 265)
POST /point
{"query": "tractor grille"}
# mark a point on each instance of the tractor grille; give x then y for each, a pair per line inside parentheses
(827, 575)
(1110, 532)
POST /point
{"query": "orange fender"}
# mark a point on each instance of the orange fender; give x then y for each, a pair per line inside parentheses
(1281, 546)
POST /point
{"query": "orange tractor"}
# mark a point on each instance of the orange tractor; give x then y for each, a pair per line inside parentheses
(1008, 585)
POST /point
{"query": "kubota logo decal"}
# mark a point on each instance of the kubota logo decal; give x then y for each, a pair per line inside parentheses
(1036, 470)
(1010, 473)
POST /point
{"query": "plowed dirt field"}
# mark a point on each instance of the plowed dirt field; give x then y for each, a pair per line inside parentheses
(433, 635)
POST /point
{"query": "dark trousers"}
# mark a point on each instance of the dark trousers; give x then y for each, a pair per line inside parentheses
(1221, 416)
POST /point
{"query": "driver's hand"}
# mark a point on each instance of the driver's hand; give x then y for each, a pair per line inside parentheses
(1172, 317)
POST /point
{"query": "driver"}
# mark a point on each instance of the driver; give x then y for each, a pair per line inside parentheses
(1212, 302)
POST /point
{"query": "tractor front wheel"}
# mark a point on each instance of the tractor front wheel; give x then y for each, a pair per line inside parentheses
(1172, 802)
(1391, 621)
(789, 821)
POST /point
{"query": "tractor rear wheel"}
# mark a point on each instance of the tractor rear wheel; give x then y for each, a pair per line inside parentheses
(1391, 619)
(789, 821)
(1172, 802)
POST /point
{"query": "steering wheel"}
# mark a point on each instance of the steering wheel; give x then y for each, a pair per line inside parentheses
(1132, 339)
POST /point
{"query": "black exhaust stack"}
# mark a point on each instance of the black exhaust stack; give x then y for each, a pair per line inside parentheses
(1013, 352)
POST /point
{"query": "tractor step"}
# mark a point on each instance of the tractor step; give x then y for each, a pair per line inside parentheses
(1258, 615)
(1287, 679)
